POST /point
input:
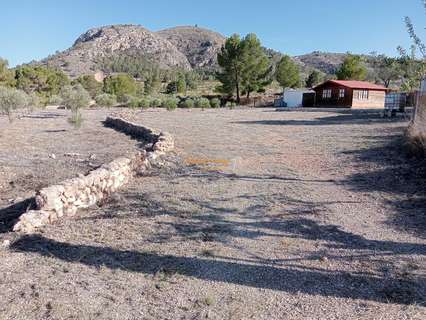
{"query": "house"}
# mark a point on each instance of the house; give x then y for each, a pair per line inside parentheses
(350, 94)
(294, 98)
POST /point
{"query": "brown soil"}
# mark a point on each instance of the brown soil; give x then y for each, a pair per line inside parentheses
(258, 215)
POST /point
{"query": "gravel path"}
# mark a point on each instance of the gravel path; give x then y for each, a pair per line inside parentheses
(259, 215)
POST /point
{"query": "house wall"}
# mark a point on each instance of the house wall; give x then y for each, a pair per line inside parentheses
(334, 101)
(293, 98)
(376, 100)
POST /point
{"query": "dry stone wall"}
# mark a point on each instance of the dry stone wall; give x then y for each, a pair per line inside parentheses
(65, 199)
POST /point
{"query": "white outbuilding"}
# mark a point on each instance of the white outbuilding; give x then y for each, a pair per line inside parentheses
(293, 98)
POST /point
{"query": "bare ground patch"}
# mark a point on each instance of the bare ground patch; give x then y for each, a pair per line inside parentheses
(262, 215)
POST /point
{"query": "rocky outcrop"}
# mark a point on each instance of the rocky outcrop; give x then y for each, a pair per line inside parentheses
(200, 46)
(93, 45)
(65, 199)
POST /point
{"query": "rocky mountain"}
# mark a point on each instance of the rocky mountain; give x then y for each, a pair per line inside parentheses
(199, 45)
(323, 61)
(180, 47)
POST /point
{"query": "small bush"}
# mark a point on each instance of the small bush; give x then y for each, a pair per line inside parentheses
(169, 103)
(55, 100)
(76, 119)
(106, 100)
(202, 103)
(156, 103)
(144, 103)
(11, 100)
(188, 104)
(215, 103)
(75, 98)
(125, 98)
(133, 103)
(231, 104)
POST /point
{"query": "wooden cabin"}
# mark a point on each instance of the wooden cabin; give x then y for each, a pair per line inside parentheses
(350, 94)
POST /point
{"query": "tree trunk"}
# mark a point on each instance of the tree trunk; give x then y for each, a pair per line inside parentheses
(237, 86)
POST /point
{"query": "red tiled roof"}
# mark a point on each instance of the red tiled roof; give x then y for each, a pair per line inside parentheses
(354, 84)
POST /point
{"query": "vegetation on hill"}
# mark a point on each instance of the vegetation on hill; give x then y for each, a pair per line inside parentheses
(352, 68)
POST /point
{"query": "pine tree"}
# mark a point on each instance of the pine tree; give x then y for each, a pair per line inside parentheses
(256, 66)
(313, 79)
(230, 60)
(287, 73)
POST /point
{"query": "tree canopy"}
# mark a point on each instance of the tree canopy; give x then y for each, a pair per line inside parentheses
(287, 73)
(245, 68)
(352, 69)
(7, 76)
(313, 79)
(41, 80)
(120, 85)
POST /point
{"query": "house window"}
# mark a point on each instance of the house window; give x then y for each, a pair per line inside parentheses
(363, 94)
(326, 94)
(341, 93)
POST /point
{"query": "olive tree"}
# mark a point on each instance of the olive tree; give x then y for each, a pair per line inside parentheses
(12, 100)
(75, 98)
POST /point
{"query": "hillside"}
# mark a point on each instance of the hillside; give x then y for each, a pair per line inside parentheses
(183, 47)
(200, 46)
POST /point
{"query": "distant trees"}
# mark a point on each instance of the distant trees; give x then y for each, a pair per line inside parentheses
(245, 68)
(352, 69)
(313, 79)
(7, 76)
(177, 86)
(386, 69)
(41, 80)
(89, 83)
(120, 85)
(287, 73)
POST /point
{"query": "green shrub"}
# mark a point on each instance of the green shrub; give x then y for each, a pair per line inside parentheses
(90, 83)
(215, 103)
(106, 100)
(125, 98)
(55, 100)
(231, 104)
(188, 104)
(75, 97)
(155, 103)
(11, 100)
(202, 103)
(169, 103)
(133, 102)
(144, 103)
(178, 86)
(120, 85)
(41, 80)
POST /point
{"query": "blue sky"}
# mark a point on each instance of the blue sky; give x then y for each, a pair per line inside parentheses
(33, 29)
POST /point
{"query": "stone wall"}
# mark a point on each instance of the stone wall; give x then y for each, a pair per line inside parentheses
(65, 199)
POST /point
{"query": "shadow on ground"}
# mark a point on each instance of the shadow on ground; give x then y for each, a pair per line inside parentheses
(9, 215)
(290, 279)
(344, 118)
(387, 169)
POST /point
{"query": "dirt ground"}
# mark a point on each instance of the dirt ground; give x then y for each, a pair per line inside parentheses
(258, 215)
